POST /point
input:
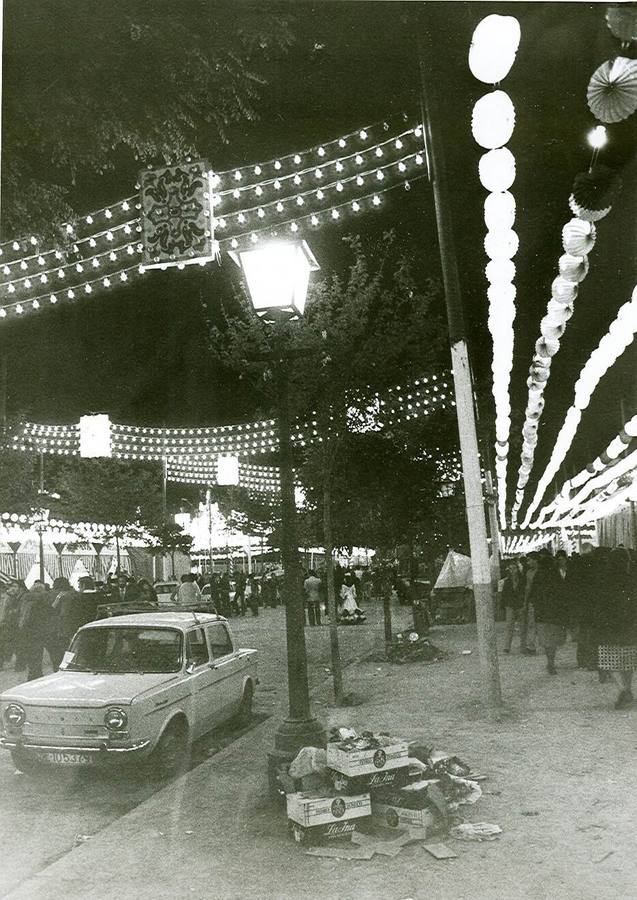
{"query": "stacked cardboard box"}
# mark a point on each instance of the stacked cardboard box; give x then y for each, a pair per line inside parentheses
(410, 806)
(319, 819)
(368, 762)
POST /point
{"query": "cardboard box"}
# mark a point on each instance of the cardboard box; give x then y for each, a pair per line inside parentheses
(326, 818)
(354, 763)
(400, 817)
(383, 778)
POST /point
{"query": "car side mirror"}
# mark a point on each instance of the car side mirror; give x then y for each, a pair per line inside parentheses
(190, 668)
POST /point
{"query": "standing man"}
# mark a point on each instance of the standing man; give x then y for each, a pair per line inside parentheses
(527, 644)
(312, 588)
(513, 602)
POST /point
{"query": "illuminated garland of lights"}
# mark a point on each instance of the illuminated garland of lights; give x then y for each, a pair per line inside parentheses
(606, 460)
(576, 235)
(238, 226)
(80, 530)
(619, 336)
(413, 399)
(493, 121)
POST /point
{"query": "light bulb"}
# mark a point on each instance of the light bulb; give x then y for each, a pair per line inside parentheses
(597, 137)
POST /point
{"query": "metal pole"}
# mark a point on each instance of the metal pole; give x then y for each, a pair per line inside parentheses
(299, 729)
(463, 388)
(41, 524)
(164, 480)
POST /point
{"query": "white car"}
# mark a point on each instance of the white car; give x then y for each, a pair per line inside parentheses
(138, 686)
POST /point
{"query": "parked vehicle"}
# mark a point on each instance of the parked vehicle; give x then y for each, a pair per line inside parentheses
(134, 687)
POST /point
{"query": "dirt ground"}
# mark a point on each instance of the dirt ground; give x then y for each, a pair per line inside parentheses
(561, 781)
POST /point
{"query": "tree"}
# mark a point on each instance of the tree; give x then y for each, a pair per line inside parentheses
(133, 82)
(123, 494)
(18, 482)
(361, 333)
(169, 538)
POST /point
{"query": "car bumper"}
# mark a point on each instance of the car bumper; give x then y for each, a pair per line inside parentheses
(95, 752)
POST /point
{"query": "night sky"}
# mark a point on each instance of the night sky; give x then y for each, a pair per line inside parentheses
(141, 354)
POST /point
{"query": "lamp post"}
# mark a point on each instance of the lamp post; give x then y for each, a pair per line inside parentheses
(277, 276)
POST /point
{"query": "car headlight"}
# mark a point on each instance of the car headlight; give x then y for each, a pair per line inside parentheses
(115, 719)
(14, 715)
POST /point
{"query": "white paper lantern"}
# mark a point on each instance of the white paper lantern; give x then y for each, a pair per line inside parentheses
(545, 347)
(563, 291)
(631, 427)
(499, 210)
(552, 331)
(500, 271)
(501, 244)
(573, 268)
(578, 237)
(494, 44)
(561, 312)
(496, 170)
(493, 120)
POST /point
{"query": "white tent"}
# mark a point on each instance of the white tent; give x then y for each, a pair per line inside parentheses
(33, 575)
(455, 573)
(79, 571)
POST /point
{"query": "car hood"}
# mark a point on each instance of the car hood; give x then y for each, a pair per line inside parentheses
(85, 688)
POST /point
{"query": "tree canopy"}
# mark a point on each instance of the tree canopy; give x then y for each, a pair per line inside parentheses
(134, 82)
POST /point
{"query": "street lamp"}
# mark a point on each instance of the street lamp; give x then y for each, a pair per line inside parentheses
(278, 275)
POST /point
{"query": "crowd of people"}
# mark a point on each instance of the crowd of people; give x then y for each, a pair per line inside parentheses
(46, 617)
(591, 595)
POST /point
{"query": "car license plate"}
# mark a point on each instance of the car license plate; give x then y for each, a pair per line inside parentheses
(65, 758)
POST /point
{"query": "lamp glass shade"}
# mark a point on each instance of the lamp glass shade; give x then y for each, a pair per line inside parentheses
(278, 275)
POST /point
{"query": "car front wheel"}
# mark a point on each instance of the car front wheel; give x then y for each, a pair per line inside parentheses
(244, 716)
(170, 756)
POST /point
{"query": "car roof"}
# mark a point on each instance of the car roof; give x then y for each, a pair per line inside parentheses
(181, 620)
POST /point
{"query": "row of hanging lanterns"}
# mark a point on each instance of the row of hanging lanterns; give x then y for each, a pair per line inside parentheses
(492, 53)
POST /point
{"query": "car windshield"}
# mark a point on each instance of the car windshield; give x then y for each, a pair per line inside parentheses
(125, 649)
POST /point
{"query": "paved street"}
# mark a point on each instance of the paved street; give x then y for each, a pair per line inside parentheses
(43, 818)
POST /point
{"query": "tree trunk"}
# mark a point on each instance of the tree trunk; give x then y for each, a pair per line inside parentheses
(119, 562)
(172, 563)
(331, 597)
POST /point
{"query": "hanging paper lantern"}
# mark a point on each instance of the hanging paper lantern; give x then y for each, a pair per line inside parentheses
(563, 291)
(559, 312)
(622, 21)
(494, 44)
(552, 330)
(573, 268)
(546, 347)
(500, 271)
(589, 215)
(578, 237)
(499, 210)
(496, 169)
(493, 120)
(597, 189)
(612, 91)
(501, 244)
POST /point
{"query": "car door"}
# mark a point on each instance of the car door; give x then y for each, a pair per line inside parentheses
(228, 670)
(201, 681)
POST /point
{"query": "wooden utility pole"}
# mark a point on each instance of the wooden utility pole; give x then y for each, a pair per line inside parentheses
(463, 387)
